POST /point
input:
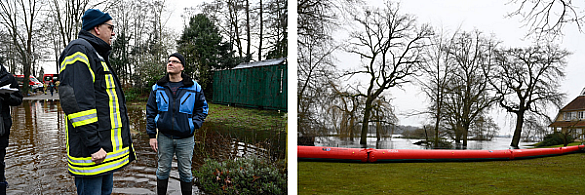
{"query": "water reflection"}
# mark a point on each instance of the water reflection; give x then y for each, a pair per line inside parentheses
(36, 163)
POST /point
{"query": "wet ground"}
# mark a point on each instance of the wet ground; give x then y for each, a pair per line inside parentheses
(36, 163)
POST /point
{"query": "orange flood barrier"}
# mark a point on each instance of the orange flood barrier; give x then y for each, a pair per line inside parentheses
(320, 153)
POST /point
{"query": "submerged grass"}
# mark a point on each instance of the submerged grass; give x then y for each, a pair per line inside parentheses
(550, 175)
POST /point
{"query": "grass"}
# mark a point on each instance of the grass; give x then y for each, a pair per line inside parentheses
(237, 117)
(249, 118)
(550, 175)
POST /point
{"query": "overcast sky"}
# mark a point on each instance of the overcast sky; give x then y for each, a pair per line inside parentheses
(489, 18)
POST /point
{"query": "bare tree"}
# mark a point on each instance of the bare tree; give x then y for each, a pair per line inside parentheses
(437, 72)
(483, 128)
(19, 18)
(526, 80)
(390, 43)
(547, 18)
(275, 29)
(468, 92)
(67, 17)
(383, 116)
(316, 69)
(347, 104)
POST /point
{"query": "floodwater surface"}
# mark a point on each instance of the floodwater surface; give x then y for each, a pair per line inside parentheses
(36, 157)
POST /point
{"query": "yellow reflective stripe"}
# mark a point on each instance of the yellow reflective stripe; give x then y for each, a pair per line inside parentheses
(105, 66)
(77, 56)
(83, 118)
(115, 120)
(66, 133)
(101, 168)
(86, 161)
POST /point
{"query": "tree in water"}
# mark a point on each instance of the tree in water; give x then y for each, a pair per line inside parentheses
(390, 44)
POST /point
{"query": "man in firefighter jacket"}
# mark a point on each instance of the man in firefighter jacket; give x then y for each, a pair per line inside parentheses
(98, 134)
(176, 106)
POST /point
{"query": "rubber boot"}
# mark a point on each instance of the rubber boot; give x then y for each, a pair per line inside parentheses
(3, 186)
(186, 188)
(161, 186)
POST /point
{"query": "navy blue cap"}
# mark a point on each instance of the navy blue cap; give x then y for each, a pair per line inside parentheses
(94, 17)
(181, 58)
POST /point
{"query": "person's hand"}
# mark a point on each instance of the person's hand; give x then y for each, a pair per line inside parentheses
(99, 156)
(154, 144)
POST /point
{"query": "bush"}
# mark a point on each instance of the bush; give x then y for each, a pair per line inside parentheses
(136, 94)
(241, 176)
(555, 139)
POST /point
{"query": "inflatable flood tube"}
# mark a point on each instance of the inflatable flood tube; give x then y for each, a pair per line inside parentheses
(319, 153)
(316, 153)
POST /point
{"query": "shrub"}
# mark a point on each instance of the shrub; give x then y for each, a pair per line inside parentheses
(555, 139)
(241, 176)
(136, 94)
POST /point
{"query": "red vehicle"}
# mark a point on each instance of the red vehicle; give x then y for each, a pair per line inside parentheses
(32, 82)
(50, 78)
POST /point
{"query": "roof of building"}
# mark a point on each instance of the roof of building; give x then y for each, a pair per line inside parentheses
(577, 104)
(268, 62)
(572, 124)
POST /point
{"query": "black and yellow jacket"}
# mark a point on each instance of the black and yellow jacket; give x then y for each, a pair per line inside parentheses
(93, 101)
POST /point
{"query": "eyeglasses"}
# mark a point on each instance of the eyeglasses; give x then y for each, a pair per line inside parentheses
(110, 26)
(174, 61)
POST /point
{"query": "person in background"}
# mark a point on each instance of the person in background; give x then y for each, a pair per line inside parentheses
(97, 125)
(6, 100)
(176, 107)
(45, 88)
(51, 88)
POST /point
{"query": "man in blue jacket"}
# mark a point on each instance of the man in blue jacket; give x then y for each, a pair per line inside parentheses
(176, 107)
(98, 131)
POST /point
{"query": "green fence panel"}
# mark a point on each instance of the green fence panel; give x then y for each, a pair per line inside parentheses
(259, 87)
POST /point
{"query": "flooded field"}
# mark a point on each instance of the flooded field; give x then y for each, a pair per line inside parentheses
(36, 163)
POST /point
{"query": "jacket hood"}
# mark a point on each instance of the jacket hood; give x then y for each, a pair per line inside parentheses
(3, 70)
(187, 81)
(100, 45)
(4, 76)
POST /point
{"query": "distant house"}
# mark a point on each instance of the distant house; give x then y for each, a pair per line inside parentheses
(260, 84)
(571, 118)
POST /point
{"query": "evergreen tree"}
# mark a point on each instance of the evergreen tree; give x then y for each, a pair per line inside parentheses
(203, 49)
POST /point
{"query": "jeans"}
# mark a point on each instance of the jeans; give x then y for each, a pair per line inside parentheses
(95, 185)
(167, 148)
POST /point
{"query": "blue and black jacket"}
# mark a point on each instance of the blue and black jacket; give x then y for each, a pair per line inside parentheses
(178, 115)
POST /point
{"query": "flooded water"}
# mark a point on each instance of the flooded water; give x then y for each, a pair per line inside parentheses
(497, 143)
(36, 163)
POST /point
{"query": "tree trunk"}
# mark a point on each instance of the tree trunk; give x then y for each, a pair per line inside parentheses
(366, 121)
(518, 130)
(261, 31)
(437, 131)
(465, 131)
(378, 129)
(249, 41)
(351, 127)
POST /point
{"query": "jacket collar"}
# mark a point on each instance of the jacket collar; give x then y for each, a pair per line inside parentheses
(187, 81)
(98, 44)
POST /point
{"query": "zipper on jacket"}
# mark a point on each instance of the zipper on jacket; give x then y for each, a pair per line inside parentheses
(186, 98)
(163, 97)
